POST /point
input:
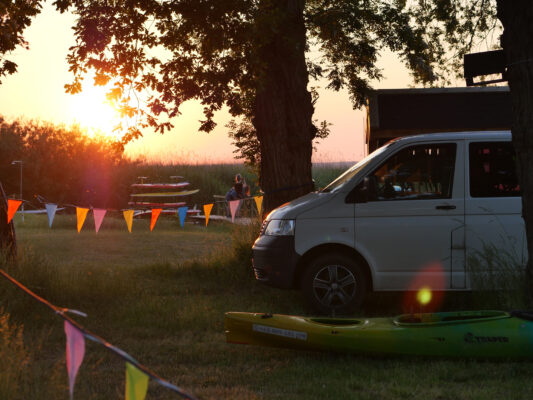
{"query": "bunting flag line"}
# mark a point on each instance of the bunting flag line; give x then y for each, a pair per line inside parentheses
(259, 204)
(128, 216)
(182, 213)
(207, 212)
(81, 214)
(75, 353)
(155, 215)
(136, 383)
(51, 212)
(233, 206)
(61, 312)
(98, 214)
(12, 207)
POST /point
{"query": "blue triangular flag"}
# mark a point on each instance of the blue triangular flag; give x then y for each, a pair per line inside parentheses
(51, 211)
(182, 213)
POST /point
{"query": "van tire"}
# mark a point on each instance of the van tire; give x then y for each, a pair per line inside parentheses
(334, 284)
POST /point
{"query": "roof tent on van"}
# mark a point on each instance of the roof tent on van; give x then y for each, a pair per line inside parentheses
(392, 113)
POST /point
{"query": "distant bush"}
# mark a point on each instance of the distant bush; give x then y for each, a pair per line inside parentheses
(63, 165)
(66, 166)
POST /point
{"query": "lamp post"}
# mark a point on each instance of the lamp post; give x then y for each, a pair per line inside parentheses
(20, 163)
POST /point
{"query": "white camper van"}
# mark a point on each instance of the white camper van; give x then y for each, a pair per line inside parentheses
(411, 213)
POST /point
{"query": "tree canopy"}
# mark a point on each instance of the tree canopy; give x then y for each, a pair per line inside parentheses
(167, 52)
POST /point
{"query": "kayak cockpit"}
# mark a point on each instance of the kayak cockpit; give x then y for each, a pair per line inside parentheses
(448, 318)
(336, 321)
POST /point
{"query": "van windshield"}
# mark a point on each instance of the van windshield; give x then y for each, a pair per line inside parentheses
(352, 171)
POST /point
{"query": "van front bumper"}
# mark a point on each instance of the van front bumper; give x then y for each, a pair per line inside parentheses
(274, 260)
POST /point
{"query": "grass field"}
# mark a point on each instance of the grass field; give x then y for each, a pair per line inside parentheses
(161, 297)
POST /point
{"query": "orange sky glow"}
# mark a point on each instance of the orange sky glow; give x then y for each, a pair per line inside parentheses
(36, 92)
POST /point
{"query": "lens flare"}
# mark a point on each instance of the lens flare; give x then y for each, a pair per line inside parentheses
(425, 292)
(424, 296)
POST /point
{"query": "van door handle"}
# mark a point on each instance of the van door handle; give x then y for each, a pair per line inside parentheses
(446, 207)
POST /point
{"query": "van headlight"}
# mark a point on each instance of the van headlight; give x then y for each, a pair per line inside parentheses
(279, 227)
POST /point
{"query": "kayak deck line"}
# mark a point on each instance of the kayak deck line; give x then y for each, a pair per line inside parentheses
(427, 319)
(467, 334)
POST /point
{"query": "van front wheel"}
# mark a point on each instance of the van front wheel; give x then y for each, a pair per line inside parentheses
(334, 284)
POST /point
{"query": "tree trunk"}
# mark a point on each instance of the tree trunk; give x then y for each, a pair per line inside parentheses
(283, 108)
(517, 42)
(8, 242)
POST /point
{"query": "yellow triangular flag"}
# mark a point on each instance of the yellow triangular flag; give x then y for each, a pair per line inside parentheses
(128, 216)
(136, 383)
(258, 203)
(155, 215)
(207, 212)
(12, 207)
(81, 214)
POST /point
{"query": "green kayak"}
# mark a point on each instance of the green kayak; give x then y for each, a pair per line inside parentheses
(480, 334)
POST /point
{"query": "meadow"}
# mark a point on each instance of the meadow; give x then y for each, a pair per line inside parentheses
(161, 296)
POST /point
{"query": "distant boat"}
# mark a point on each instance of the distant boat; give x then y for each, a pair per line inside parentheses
(161, 196)
(150, 204)
(166, 194)
(160, 185)
(166, 211)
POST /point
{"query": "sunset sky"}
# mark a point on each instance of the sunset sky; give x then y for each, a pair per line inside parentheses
(36, 92)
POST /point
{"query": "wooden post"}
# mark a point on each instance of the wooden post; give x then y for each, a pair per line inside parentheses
(8, 239)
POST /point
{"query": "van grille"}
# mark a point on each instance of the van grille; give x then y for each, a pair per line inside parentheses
(263, 227)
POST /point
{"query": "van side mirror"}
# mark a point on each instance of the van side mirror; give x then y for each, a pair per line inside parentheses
(364, 192)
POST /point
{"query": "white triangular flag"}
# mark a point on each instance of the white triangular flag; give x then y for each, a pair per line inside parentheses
(51, 211)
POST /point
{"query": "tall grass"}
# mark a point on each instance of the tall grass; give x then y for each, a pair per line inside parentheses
(325, 173)
(497, 278)
(14, 358)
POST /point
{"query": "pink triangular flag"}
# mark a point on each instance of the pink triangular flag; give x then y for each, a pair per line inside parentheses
(98, 215)
(233, 206)
(155, 215)
(12, 207)
(75, 353)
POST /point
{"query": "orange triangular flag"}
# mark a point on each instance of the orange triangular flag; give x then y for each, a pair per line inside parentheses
(81, 214)
(12, 207)
(207, 212)
(155, 215)
(259, 204)
(128, 216)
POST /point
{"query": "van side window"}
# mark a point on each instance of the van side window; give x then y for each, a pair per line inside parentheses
(492, 170)
(416, 173)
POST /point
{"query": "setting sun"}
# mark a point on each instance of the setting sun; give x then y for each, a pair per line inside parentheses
(93, 111)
